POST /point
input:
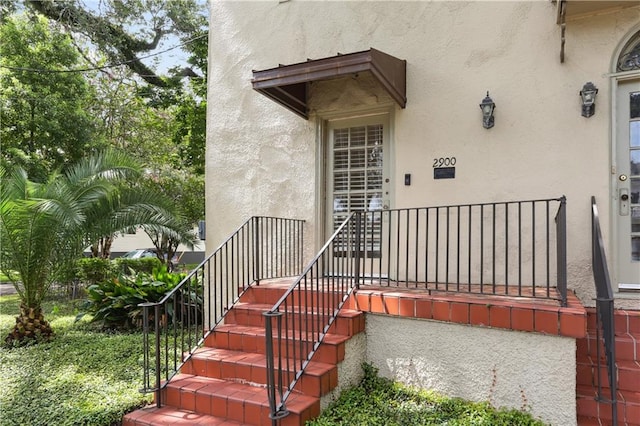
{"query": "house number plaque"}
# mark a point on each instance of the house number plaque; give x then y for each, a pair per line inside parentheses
(443, 168)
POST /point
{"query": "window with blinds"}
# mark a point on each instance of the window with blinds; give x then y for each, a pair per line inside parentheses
(357, 174)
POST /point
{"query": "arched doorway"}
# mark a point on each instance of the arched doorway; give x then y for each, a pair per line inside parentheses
(626, 164)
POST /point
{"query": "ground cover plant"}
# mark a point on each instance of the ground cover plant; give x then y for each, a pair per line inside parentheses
(379, 401)
(83, 376)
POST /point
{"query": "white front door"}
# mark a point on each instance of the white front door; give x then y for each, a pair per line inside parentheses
(357, 173)
(627, 196)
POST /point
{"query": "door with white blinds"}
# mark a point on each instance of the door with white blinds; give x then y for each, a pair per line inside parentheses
(358, 175)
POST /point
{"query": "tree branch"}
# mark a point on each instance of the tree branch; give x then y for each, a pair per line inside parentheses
(112, 38)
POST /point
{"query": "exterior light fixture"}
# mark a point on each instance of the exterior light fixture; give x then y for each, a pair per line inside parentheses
(487, 106)
(588, 95)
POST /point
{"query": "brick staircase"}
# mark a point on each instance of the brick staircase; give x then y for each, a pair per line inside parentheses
(224, 383)
(590, 411)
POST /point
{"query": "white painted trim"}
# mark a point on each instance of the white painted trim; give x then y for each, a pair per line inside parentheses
(628, 287)
(618, 50)
(320, 192)
(322, 122)
(615, 79)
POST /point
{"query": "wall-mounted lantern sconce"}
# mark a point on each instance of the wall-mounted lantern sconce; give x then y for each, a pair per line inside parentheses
(588, 95)
(487, 106)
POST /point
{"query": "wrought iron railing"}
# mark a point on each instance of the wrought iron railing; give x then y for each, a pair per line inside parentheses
(296, 325)
(604, 312)
(174, 327)
(508, 248)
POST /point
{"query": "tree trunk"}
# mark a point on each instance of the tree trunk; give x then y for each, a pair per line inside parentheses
(106, 246)
(30, 325)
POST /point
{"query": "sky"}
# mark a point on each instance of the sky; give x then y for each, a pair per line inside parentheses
(164, 59)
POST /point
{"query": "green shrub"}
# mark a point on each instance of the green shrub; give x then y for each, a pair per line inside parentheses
(115, 302)
(92, 270)
(380, 401)
(144, 264)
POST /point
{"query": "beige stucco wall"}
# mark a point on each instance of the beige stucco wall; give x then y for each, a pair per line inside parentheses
(525, 371)
(350, 371)
(263, 159)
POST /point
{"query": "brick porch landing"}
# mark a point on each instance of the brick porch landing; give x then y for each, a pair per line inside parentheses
(510, 312)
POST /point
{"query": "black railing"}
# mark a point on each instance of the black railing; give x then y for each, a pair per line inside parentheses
(304, 314)
(173, 328)
(507, 248)
(604, 312)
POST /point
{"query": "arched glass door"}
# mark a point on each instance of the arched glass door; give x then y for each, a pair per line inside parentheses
(627, 158)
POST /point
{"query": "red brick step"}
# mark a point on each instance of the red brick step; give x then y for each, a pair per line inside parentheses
(151, 416)
(234, 400)
(318, 379)
(223, 383)
(270, 294)
(348, 322)
(252, 339)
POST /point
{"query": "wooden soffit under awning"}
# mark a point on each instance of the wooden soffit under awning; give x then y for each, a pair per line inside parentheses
(575, 9)
(289, 84)
(567, 10)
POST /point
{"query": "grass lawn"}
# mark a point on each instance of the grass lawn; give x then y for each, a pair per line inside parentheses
(82, 377)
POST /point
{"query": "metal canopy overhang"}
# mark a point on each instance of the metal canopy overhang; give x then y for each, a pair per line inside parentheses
(289, 84)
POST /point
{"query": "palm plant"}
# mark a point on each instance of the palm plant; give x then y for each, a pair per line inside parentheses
(45, 227)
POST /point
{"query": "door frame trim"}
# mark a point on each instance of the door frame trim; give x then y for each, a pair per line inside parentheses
(322, 120)
(615, 79)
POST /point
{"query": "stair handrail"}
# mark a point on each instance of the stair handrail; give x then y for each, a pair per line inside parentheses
(604, 311)
(378, 234)
(342, 277)
(262, 247)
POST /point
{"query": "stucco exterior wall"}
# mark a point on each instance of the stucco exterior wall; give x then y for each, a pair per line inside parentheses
(525, 371)
(263, 159)
(350, 371)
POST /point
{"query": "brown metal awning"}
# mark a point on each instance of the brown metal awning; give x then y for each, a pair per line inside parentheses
(289, 84)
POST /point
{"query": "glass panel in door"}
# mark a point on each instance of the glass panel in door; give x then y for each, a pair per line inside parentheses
(357, 178)
(628, 186)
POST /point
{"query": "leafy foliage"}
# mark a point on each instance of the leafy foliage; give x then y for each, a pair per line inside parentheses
(125, 31)
(52, 115)
(82, 377)
(92, 270)
(379, 401)
(115, 302)
(44, 123)
(132, 266)
(186, 192)
(45, 227)
(190, 133)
